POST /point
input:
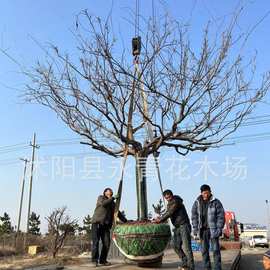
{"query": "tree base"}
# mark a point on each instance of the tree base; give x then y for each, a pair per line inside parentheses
(152, 264)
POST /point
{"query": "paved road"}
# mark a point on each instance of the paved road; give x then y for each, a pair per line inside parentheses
(170, 262)
(252, 259)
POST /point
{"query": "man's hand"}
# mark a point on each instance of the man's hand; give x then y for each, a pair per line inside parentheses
(116, 197)
(195, 235)
(219, 232)
(156, 220)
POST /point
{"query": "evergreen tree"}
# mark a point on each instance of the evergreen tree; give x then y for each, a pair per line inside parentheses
(87, 224)
(5, 226)
(34, 224)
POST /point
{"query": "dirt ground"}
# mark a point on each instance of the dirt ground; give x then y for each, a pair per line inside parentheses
(22, 262)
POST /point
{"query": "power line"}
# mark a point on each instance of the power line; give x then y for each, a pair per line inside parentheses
(246, 139)
(12, 146)
(262, 119)
(259, 139)
(58, 140)
(13, 150)
(249, 136)
(9, 160)
(9, 163)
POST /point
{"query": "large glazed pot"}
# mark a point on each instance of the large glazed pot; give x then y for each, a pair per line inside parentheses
(142, 242)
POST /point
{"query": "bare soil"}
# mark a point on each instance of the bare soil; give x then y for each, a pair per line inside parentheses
(22, 262)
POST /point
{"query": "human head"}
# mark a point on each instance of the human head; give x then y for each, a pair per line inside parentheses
(168, 195)
(108, 192)
(206, 192)
(266, 260)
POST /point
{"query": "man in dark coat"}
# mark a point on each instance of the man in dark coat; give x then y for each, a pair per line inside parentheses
(208, 220)
(176, 211)
(102, 222)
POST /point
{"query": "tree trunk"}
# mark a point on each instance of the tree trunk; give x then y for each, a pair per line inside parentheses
(141, 187)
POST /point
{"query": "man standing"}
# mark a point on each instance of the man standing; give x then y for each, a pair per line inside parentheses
(176, 211)
(101, 225)
(208, 221)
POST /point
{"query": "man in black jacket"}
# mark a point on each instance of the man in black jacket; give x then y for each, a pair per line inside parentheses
(102, 222)
(176, 211)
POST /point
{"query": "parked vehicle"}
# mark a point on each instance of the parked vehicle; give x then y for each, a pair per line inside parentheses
(258, 241)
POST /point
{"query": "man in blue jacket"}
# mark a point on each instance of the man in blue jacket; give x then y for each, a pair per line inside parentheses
(208, 221)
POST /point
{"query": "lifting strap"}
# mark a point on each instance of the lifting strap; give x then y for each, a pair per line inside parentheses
(150, 134)
(136, 45)
(120, 187)
(129, 136)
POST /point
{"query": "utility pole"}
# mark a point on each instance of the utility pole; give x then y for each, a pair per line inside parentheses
(22, 193)
(34, 147)
(268, 217)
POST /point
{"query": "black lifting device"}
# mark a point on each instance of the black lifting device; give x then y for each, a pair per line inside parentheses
(136, 46)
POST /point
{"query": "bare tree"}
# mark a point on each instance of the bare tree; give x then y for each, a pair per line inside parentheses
(192, 99)
(60, 226)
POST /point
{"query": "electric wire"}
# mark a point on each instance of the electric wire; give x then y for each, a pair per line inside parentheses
(247, 138)
(241, 139)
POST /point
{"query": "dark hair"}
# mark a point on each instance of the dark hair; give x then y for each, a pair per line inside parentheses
(167, 192)
(106, 189)
(205, 188)
(267, 254)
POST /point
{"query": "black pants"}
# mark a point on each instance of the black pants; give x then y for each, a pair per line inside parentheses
(100, 232)
(182, 245)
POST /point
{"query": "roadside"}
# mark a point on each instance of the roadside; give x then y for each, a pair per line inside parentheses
(252, 259)
(171, 261)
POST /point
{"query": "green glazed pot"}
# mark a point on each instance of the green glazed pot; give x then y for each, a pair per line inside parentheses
(142, 241)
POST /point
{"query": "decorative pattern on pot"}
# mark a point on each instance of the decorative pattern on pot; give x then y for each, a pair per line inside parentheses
(142, 241)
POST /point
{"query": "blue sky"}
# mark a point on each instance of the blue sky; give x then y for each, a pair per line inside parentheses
(52, 21)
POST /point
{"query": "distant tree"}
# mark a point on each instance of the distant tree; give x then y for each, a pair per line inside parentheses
(87, 225)
(34, 224)
(75, 229)
(159, 208)
(60, 225)
(6, 227)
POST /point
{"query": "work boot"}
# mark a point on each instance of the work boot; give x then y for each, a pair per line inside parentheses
(94, 263)
(105, 263)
